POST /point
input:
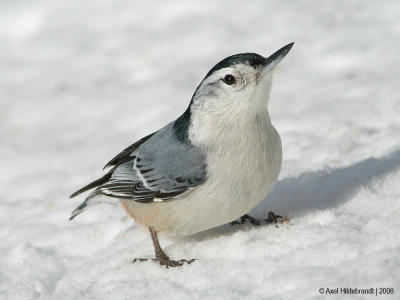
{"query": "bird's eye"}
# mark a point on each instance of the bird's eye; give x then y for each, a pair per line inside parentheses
(229, 79)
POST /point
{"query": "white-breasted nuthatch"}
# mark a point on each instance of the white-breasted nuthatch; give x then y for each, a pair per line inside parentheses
(210, 166)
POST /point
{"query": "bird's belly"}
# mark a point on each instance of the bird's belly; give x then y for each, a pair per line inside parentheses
(235, 184)
(202, 208)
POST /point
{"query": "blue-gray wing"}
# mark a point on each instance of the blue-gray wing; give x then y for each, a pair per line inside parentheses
(161, 168)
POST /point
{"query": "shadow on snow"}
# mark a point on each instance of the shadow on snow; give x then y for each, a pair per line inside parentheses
(327, 188)
(295, 196)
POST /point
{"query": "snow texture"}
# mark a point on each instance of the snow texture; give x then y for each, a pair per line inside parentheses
(81, 80)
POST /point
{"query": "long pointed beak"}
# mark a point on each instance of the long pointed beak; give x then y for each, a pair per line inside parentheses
(274, 59)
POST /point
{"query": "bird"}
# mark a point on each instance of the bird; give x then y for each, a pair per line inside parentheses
(210, 166)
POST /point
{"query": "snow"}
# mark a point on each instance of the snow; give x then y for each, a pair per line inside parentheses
(79, 81)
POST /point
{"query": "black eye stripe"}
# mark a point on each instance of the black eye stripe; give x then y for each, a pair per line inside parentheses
(229, 79)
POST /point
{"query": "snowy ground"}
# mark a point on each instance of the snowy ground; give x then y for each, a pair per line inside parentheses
(79, 81)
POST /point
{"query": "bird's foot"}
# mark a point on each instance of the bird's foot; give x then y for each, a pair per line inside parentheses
(165, 261)
(243, 220)
(174, 263)
(273, 218)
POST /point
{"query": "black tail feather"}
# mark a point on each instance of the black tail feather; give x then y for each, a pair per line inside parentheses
(94, 184)
(78, 210)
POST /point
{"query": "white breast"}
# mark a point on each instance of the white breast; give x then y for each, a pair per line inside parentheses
(243, 163)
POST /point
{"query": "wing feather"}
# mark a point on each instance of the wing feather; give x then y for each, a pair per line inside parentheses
(156, 168)
(126, 154)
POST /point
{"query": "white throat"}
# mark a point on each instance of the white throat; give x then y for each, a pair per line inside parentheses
(234, 119)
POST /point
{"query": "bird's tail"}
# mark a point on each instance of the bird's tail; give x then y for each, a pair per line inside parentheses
(80, 208)
(91, 199)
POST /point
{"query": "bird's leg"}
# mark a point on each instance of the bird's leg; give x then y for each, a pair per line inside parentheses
(161, 257)
(160, 254)
(244, 218)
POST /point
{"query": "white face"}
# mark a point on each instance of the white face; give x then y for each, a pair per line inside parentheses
(239, 88)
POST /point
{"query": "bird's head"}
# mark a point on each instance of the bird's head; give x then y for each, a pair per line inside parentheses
(233, 91)
(240, 82)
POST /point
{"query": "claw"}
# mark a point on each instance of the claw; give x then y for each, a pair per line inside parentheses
(166, 262)
(175, 263)
(273, 218)
(139, 260)
(243, 220)
(252, 220)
